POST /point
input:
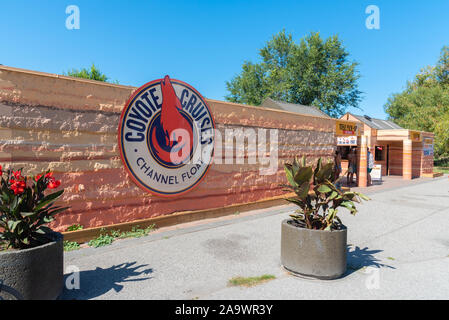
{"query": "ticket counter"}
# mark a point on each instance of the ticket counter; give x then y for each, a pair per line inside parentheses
(399, 151)
(349, 135)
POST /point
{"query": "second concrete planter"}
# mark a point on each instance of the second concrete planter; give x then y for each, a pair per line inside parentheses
(313, 253)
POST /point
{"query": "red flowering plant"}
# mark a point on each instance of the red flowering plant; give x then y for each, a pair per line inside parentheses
(26, 207)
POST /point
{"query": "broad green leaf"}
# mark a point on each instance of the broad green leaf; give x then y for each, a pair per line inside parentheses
(361, 195)
(324, 189)
(303, 175)
(333, 195)
(289, 174)
(325, 173)
(57, 210)
(295, 166)
(13, 224)
(27, 214)
(303, 190)
(48, 199)
(43, 230)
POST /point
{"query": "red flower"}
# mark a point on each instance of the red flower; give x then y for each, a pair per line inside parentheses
(17, 175)
(1, 170)
(17, 186)
(49, 175)
(36, 178)
(53, 183)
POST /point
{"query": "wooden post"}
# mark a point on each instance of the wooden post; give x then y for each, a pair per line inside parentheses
(362, 174)
(407, 159)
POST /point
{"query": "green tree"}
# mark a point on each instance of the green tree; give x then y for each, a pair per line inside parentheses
(424, 104)
(92, 74)
(312, 72)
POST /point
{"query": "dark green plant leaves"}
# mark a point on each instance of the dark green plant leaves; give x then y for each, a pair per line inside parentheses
(324, 189)
(303, 175)
(318, 205)
(23, 217)
(289, 173)
(325, 173)
(303, 191)
(48, 199)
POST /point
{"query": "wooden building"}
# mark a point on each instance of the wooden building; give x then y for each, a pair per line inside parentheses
(397, 150)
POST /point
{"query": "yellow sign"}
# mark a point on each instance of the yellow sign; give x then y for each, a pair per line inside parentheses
(415, 136)
(345, 128)
(428, 141)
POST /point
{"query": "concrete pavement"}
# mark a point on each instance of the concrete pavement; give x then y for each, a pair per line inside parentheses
(398, 249)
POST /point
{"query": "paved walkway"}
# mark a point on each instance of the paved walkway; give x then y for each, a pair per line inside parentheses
(388, 183)
(398, 249)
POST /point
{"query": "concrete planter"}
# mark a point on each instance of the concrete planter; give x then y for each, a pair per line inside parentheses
(313, 253)
(33, 274)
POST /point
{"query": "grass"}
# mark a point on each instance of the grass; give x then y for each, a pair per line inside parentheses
(441, 169)
(75, 227)
(71, 245)
(105, 238)
(136, 232)
(251, 281)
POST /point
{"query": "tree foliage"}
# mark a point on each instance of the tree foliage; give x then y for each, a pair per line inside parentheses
(92, 74)
(424, 104)
(312, 72)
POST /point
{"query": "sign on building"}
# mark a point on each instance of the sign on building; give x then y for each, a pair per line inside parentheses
(166, 137)
(428, 147)
(415, 136)
(347, 141)
(345, 128)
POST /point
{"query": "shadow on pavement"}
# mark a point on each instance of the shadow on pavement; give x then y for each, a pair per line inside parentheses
(94, 283)
(358, 258)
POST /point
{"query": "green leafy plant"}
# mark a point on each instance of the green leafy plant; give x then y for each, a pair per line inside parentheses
(137, 232)
(26, 208)
(106, 238)
(75, 227)
(102, 240)
(71, 245)
(317, 197)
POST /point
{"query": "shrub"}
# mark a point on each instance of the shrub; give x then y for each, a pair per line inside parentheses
(26, 208)
(316, 195)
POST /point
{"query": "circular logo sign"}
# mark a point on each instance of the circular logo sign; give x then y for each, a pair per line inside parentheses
(166, 137)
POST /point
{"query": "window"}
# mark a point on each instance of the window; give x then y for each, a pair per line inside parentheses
(379, 153)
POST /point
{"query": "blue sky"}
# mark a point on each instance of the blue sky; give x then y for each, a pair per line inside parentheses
(205, 42)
